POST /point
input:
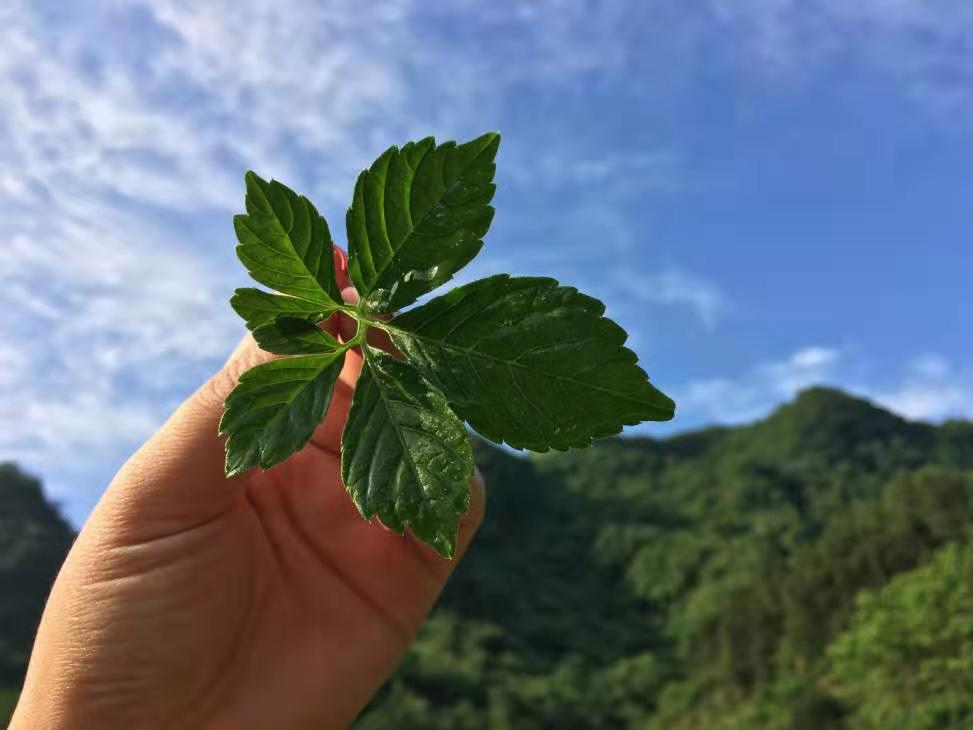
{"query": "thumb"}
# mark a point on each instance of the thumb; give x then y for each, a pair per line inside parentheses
(176, 481)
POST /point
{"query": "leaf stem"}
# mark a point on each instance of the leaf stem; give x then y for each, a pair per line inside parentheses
(363, 324)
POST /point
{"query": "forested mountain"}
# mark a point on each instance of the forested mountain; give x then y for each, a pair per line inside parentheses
(34, 539)
(806, 571)
(811, 570)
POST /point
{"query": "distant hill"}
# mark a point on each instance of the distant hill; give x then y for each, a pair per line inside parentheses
(696, 581)
(34, 539)
(720, 579)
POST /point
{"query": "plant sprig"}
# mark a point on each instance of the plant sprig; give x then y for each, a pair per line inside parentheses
(522, 360)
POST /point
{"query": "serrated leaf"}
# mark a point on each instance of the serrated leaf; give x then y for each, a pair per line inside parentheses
(529, 363)
(405, 456)
(292, 336)
(275, 408)
(258, 307)
(285, 243)
(418, 216)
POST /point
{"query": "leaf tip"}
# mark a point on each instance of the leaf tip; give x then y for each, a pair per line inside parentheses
(233, 468)
(490, 140)
(665, 407)
(447, 549)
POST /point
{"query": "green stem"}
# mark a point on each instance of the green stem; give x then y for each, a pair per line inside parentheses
(363, 324)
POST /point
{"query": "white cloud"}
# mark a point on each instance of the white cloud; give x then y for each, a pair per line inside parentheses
(928, 388)
(932, 390)
(754, 394)
(675, 287)
(930, 401)
(811, 358)
(124, 130)
(613, 173)
(931, 365)
(123, 140)
(70, 132)
(919, 46)
(13, 364)
(721, 400)
(806, 367)
(107, 320)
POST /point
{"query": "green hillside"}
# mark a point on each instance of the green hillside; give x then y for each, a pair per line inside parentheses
(808, 571)
(716, 580)
(34, 539)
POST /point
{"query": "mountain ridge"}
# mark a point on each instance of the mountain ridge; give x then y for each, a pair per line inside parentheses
(698, 580)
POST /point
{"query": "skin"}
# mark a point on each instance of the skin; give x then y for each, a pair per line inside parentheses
(192, 600)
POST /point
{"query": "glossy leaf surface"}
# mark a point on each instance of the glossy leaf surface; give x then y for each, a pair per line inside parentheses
(292, 336)
(406, 457)
(258, 307)
(530, 363)
(285, 244)
(275, 408)
(418, 216)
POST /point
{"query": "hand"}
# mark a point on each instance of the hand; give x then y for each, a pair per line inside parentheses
(264, 601)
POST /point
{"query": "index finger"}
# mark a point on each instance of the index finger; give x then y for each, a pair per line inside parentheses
(328, 435)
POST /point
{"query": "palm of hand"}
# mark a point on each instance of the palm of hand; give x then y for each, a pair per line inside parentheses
(262, 601)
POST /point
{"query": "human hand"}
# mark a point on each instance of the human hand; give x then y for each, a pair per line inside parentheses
(262, 601)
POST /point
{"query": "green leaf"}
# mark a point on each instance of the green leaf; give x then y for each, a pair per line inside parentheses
(275, 408)
(293, 336)
(418, 216)
(258, 307)
(529, 362)
(285, 244)
(405, 456)
(524, 361)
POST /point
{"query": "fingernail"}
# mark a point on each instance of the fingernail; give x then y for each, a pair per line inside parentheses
(349, 295)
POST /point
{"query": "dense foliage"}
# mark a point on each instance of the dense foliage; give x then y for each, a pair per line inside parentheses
(33, 542)
(906, 660)
(718, 580)
(809, 571)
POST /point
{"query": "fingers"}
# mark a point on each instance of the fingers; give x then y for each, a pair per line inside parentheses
(335, 323)
(398, 571)
(328, 435)
(422, 573)
(341, 268)
(428, 562)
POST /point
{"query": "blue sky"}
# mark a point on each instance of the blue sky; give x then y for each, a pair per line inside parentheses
(767, 194)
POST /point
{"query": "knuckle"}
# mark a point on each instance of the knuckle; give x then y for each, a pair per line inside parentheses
(214, 391)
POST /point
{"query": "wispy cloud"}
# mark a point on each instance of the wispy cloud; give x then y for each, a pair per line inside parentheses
(919, 46)
(614, 174)
(931, 390)
(124, 130)
(113, 304)
(755, 393)
(675, 287)
(928, 388)
(104, 320)
(125, 126)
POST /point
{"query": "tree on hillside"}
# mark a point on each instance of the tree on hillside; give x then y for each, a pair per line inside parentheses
(34, 539)
(906, 660)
